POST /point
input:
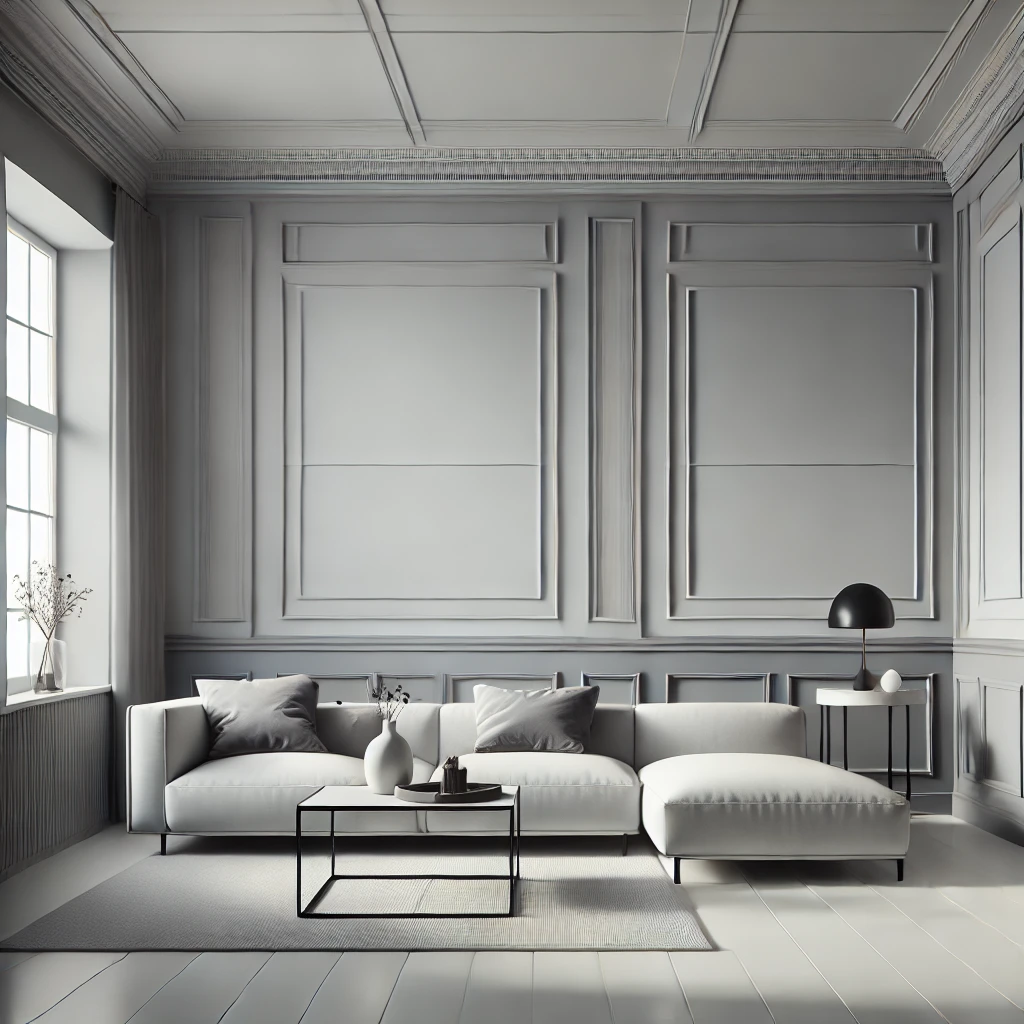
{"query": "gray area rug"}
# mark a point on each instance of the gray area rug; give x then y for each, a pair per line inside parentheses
(213, 894)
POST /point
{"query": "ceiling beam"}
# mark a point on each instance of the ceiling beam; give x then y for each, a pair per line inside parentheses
(378, 26)
(726, 15)
(946, 57)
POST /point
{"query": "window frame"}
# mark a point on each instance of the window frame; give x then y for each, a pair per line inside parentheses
(35, 418)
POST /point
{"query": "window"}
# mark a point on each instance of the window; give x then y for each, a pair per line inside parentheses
(31, 432)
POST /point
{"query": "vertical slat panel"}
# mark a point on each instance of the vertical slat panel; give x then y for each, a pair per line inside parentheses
(612, 421)
(54, 776)
(223, 441)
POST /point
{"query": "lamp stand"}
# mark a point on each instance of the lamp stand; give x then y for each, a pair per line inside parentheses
(863, 680)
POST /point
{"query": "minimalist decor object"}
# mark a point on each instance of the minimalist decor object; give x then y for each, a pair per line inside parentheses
(49, 598)
(434, 793)
(261, 716)
(453, 778)
(388, 758)
(862, 606)
(519, 720)
(891, 680)
(828, 698)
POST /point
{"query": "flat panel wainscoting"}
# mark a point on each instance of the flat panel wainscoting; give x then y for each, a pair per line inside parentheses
(55, 776)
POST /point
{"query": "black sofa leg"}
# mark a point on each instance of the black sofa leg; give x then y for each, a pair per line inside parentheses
(899, 870)
(675, 870)
(163, 844)
(625, 844)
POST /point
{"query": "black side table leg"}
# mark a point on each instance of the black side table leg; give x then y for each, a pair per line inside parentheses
(889, 776)
(828, 734)
(846, 749)
(821, 732)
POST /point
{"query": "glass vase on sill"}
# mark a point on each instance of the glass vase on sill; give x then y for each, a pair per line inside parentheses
(51, 657)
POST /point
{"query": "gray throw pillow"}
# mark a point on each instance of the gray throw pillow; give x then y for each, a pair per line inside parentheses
(258, 716)
(555, 720)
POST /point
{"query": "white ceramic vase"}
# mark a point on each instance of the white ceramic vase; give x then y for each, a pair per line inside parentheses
(891, 681)
(387, 761)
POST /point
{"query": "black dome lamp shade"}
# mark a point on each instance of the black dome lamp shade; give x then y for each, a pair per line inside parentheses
(861, 606)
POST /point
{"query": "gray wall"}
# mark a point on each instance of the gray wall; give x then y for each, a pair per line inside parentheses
(989, 645)
(578, 435)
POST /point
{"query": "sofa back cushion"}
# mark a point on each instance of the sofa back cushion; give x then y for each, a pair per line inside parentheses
(348, 728)
(611, 732)
(667, 730)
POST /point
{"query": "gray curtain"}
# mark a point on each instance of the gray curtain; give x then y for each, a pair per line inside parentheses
(137, 655)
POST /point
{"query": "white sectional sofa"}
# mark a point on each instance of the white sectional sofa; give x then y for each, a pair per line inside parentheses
(724, 781)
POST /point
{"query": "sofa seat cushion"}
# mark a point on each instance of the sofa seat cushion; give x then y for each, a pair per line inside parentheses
(755, 806)
(560, 794)
(259, 792)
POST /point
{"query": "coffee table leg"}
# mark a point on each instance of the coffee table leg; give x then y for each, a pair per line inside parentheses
(334, 855)
(298, 861)
(511, 858)
(519, 831)
(846, 749)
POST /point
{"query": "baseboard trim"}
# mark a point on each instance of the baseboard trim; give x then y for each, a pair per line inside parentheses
(40, 855)
(988, 818)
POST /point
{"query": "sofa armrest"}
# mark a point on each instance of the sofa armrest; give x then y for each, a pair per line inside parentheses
(165, 740)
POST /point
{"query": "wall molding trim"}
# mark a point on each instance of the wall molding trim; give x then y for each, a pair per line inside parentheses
(46, 71)
(650, 645)
(204, 168)
(988, 105)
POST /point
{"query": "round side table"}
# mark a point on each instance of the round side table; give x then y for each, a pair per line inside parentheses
(828, 699)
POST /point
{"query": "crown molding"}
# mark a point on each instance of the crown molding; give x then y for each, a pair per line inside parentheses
(647, 645)
(988, 105)
(42, 67)
(828, 169)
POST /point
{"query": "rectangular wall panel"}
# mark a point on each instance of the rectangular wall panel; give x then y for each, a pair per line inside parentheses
(223, 431)
(421, 243)
(774, 532)
(614, 689)
(459, 687)
(698, 687)
(784, 243)
(613, 421)
(998, 190)
(421, 532)
(1001, 406)
(1001, 728)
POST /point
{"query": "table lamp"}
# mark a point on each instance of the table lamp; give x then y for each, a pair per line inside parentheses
(861, 606)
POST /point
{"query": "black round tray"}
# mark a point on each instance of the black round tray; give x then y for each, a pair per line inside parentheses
(430, 793)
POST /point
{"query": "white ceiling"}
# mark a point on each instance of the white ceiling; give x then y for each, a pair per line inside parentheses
(336, 73)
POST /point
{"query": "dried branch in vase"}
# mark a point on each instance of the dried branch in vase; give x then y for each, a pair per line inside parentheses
(48, 599)
(389, 702)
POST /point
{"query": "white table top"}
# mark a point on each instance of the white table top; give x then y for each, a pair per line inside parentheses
(869, 698)
(359, 798)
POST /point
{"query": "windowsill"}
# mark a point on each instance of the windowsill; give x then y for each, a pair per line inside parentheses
(27, 698)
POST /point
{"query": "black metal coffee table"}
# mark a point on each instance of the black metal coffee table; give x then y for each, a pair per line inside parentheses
(335, 799)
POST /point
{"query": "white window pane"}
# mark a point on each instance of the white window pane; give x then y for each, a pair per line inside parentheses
(40, 476)
(41, 549)
(42, 390)
(17, 277)
(17, 361)
(17, 464)
(40, 282)
(17, 551)
(17, 649)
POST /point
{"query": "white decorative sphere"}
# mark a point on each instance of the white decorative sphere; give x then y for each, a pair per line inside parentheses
(891, 681)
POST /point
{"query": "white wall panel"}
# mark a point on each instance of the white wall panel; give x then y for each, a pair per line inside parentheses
(769, 532)
(420, 374)
(421, 243)
(421, 532)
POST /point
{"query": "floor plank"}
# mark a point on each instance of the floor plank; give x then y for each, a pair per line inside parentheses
(986, 951)
(430, 989)
(642, 988)
(34, 985)
(842, 956)
(357, 990)
(500, 989)
(281, 991)
(946, 982)
(203, 991)
(115, 994)
(718, 989)
(737, 920)
(568, 989)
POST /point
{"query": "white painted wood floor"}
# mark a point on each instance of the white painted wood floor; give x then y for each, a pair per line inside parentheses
(800, 944)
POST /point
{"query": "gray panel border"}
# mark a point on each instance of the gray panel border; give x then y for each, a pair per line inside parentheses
(451, 679)
(764, 678)
(1018, 688)
(590, 678)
